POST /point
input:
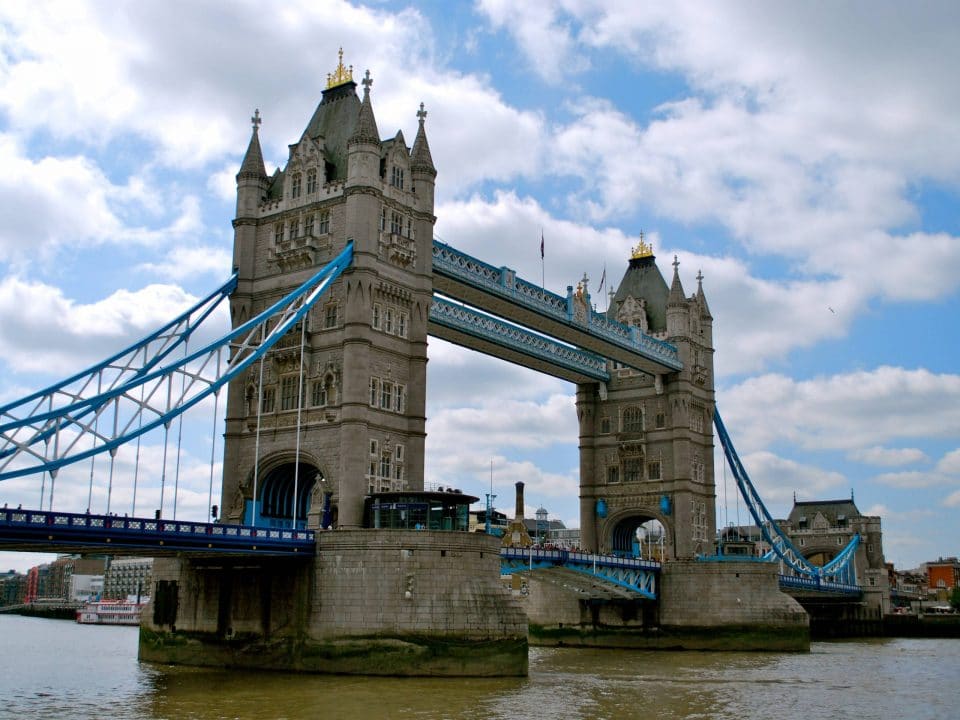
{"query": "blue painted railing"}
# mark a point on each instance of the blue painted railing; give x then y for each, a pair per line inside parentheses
(639, 576)
(504, 283)
(49, 530)
(818, 584)
(501, 333)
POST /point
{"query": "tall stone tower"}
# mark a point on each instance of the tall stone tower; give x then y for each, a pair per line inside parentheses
(356, 393)
(646, 442)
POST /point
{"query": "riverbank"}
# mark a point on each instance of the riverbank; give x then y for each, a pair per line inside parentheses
(889, 626)
(50, 612)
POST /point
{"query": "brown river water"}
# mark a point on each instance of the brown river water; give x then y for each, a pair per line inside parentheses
(58, 669)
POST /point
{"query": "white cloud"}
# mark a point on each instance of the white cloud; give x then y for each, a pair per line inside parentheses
(77, 335)
(950, 463)
(183, 262)
(844, 412)
(797, 143)
(777, 479)
(68, 202)
(888, 457)
(911, 480)
(542, 32)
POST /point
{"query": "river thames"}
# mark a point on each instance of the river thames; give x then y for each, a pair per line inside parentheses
(58, 669)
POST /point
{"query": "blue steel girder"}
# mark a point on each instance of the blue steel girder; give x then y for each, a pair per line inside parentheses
(819, 585)
(116, 370)
(156, 396)
(466, 327)
(781, 546)
(498, 291)
(638, 576)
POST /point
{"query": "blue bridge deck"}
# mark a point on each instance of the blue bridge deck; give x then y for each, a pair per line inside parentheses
(634, 574)
(43, 531)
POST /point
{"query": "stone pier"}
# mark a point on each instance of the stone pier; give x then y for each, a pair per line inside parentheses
(372, 602)
(701, 606)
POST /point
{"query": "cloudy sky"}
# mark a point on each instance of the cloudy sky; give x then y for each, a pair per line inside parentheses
(804, 156)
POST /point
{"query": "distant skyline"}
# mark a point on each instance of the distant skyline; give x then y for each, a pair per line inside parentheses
(805, 158)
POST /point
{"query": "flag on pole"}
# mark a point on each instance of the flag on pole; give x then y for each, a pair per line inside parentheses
(603, 279)
(541, 244)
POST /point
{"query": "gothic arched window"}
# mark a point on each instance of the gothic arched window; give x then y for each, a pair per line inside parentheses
(632, 419)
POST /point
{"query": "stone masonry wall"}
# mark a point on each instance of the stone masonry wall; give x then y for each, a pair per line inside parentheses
(399, 582)
(729, 605)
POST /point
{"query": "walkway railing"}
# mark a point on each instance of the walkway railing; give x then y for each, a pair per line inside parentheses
(638, 576)
(818, 584)
(50, 531)
(503, 282)
(503, 334)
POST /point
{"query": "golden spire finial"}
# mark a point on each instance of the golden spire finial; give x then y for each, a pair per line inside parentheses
(341, 75)
(642, 250)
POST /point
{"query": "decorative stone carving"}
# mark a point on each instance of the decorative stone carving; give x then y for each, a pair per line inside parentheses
(398, 249)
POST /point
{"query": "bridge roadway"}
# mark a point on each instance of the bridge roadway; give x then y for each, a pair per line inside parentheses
(63, 532)
(633, 574)
(499, 292)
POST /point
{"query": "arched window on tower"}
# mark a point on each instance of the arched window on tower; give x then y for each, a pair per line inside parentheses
(311, 181)
(632, 420)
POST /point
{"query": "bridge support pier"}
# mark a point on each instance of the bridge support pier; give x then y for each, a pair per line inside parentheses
(371, 602)
(700, 606)
(733, 605)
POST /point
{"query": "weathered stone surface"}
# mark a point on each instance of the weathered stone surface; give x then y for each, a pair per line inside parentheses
(702, 606)
(373, 602)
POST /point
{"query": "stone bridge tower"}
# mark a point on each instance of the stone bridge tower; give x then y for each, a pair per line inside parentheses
(646, 442)
(357, 392)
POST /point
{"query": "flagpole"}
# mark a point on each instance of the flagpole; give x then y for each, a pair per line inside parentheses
(603, 280)
(543, 284)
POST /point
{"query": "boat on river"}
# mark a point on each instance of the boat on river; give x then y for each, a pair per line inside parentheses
(110, 612)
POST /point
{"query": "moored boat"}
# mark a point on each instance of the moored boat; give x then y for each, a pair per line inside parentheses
(110, 612)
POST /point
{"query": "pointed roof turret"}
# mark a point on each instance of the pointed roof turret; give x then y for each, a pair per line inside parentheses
(701, 298)
(676, 287)
(366, 129)
(643, 281)
(252, 165)
(420, 158)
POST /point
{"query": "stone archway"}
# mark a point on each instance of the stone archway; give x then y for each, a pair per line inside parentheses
(638, 534)
(284, 494)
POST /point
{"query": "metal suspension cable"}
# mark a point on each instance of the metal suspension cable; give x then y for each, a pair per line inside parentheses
(296, 464)
(113, 453)
(54, 471)
(122, 368)
(213, 444)
(176, 472)
(163, 471)
(256, 445)
(136, 464)
(281, 316)
(780, 544)
(43, 475)
(93, 458)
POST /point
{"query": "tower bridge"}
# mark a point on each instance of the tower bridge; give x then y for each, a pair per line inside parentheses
(338, 283)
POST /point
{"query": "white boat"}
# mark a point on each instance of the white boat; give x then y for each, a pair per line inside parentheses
(110, 612)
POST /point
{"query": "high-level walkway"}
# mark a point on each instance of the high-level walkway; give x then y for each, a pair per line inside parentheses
(498, 291)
